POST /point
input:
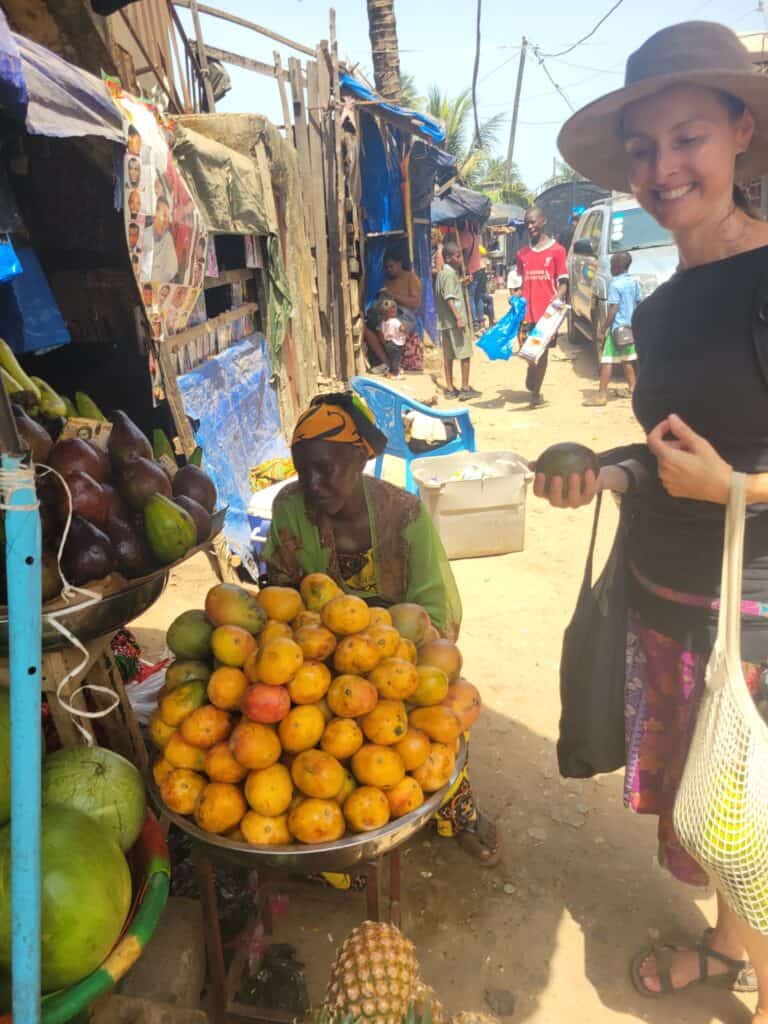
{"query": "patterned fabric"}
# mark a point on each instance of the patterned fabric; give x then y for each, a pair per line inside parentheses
(663, 690)
(324, 421)
(408, 556)
(127, 654)
(358, 572)
(413, 353)
(458, 812)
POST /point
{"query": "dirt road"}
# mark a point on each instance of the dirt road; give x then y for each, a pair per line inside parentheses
(552, 927)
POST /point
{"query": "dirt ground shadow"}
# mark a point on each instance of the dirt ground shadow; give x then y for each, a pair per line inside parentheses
(577, 869)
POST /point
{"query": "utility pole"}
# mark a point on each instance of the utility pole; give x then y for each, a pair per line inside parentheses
(516, 106)
(202, 58)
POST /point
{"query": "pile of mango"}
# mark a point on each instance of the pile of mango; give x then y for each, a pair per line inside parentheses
(300, 715)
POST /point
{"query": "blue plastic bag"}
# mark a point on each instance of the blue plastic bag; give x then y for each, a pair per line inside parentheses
(498, 342)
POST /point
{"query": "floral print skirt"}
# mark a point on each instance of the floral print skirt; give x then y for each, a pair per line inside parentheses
(664, 685)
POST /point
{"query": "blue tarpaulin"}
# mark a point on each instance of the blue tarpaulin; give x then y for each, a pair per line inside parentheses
(421, 123)
(460, 204)
(51, 96)
(232, 399)
(380, 178)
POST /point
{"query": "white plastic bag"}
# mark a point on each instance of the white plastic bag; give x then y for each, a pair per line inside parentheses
(721, 808)
(143, 696)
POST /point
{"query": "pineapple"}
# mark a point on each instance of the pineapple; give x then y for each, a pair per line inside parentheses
(425, 1004)
(474, 1017)
(374, 976)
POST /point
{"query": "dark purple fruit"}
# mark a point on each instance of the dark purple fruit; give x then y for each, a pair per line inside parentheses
(87, 553)
(74, 455)
(195, 484)
(88, 499)
(139, 480)
(33, 437)
(126, 441)
(201, 517)
(132, 555)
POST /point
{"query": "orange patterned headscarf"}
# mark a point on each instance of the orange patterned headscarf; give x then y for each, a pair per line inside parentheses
(343, 419)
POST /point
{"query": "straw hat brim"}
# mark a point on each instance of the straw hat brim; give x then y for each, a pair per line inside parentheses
(590, 141)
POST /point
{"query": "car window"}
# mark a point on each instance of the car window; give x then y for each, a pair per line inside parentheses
(635, 229)
(596, 230)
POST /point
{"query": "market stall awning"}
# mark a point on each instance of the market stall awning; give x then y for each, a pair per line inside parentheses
(460, 203)
(503, 214)
(51, 96)
(422, 124)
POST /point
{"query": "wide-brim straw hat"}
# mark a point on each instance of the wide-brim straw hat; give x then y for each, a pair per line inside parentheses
(700, 53)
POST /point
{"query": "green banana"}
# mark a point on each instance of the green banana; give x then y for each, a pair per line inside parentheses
(196, 458)
(162, 446)
(71, 407)
(10, 363)
(52, 405)
(11, 386)
(87, 408)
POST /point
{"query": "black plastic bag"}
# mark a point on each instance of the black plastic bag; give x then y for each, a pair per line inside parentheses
(593, 665)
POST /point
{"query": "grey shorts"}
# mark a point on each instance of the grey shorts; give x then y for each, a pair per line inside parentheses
(456, 343)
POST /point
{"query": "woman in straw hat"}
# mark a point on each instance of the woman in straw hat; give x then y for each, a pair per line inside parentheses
(690, 123)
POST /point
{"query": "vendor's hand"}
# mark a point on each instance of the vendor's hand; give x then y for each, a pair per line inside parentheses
(460, 323)
(688, 465)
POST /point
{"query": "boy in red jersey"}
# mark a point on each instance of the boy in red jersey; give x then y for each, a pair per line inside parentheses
(542, 266)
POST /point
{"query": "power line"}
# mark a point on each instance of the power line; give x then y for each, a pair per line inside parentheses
(540, 58)
(589, 35)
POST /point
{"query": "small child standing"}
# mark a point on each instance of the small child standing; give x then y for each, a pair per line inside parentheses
(619, 342)
(393, 334)
(453, 323)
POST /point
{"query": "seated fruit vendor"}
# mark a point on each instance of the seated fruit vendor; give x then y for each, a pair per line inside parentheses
(376, 541)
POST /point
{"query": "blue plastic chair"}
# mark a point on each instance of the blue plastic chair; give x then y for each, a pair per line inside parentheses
(388, 405)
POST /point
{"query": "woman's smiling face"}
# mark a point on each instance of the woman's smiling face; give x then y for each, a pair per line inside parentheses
(680, 150)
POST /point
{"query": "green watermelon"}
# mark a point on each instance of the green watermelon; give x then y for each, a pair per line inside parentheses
(5, 756)
(100, 783)
(85, 894)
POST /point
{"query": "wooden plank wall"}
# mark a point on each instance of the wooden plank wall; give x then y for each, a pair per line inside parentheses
(329, 170)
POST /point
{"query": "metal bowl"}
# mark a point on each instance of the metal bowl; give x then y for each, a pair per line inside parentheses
(112, 612)
(309, 860)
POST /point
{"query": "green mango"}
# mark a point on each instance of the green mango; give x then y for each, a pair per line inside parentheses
(162, 446)
(87, 408)
(196, 458)
(171, 531)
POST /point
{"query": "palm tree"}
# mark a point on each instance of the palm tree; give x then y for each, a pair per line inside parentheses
(502, 186)
(382, 29)
(563, 172)
(455, 115)
(409, 93)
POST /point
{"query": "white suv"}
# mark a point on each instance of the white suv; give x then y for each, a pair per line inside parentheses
(615, 224)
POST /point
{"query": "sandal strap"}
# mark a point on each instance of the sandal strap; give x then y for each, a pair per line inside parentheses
(705, 952)
(663, 956)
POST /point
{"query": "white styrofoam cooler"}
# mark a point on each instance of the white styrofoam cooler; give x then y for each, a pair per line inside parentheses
(476, 518)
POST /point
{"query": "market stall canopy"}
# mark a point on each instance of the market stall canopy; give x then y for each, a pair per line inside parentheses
(503, 214)
(428, 165)
(460, 203)
(51, 96)
(421, 124)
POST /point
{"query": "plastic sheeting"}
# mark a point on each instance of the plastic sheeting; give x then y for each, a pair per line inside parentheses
(229, 193)
(421, 123)
(460, 204)
(235, 405)
(427, 165)
(54, 97)
(422, 264)
(381, 178)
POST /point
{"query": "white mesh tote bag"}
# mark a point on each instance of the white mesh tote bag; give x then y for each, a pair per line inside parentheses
(721, 809)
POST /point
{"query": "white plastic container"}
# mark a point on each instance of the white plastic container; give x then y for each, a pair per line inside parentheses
(480, 517)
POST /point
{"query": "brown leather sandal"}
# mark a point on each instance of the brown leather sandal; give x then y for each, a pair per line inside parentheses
(740, 976)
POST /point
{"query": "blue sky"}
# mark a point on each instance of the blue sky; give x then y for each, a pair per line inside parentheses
(437, 46)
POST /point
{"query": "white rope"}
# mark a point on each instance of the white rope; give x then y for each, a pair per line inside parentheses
(24, 477)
